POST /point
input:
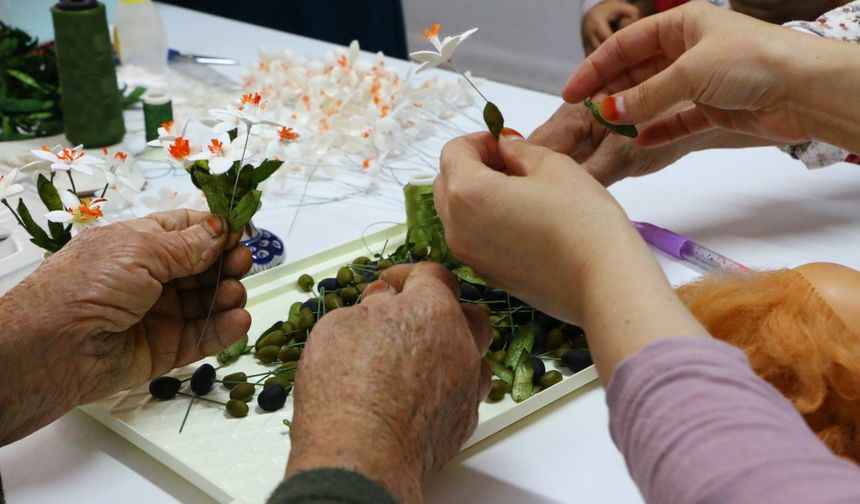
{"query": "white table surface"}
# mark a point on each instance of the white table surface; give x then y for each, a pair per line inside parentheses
(757, 206)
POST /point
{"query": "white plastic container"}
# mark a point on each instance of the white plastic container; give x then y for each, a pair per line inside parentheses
(139, 36)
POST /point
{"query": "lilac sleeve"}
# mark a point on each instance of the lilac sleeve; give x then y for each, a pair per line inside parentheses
(696, 425)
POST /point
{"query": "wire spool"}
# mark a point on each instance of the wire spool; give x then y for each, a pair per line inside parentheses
(90, 96)
(157, 110)
(424, 228)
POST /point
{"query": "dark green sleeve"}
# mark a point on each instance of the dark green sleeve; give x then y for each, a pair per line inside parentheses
(330, 486)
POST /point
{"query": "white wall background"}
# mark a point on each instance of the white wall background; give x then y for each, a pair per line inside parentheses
(534, 43)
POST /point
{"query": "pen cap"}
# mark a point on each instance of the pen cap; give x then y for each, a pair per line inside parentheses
(663, 239)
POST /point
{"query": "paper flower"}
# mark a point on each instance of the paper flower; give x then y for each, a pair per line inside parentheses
(281, 141)
(8, 187)
(250, 112)
(80, 213)
(179, 151)
(221, 153)
(74, 159)
(115, 171)
(444, 48)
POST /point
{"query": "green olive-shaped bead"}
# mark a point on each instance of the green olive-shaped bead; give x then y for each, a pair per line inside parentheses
(307, 319)
(283, 381)
(238, 409)
(499, 356)
(269, 354)
(384, 264)
(231, 380)
(550, 378)
(418, 251)
(563, 349)
(554, 339)
(289, 354)
(497, 337)
(349, 295)
(288, 328)
(306, 283)
(276, 338)
(498, 389)
(333, 301)
(436, 255)
(361, 261)
(360, 287)
(345, 276)
(243, 392)
(377, 274)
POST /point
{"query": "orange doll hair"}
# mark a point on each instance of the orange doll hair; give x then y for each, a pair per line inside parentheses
(794, 340)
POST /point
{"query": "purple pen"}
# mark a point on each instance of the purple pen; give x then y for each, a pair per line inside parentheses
(683, 248)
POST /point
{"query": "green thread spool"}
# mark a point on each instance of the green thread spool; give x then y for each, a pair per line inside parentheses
(157, 110)
(90, 96)
(423, 226)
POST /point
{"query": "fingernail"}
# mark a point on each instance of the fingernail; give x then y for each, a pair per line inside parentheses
(612, 108)
(512, 134)
(214, 225)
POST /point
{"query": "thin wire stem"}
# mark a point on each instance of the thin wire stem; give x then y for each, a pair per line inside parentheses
(14, 213)
(470, 83)
(72, 181)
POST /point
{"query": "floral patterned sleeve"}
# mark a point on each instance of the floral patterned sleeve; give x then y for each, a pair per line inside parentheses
(842, 23)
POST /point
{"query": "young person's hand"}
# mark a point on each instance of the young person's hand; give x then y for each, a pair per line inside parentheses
(601, 22)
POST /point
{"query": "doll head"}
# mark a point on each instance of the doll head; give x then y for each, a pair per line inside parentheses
(783, 11)
(800, 330)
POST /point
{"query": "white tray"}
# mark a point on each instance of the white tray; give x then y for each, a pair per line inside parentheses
(243, 459)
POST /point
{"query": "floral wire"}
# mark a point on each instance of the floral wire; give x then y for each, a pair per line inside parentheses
(470, 83)
(187, 411)
(186, 394)
(72, 181)
(13, 212)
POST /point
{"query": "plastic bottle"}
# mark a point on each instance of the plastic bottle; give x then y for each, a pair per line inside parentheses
(139, 37)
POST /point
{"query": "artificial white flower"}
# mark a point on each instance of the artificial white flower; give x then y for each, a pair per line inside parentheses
(283, 139)
(8, 187)
(221, 153)
(69, 159)
(179, 151)
(115, 173)
(444, 48)
(250, 112)
(80, 213)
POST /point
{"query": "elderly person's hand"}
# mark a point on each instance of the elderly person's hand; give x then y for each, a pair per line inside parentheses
(390, 388)
(735, 73)
(117, 306)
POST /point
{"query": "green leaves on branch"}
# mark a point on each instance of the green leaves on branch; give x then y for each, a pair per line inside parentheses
(467, 274)
(621, 129)
(132, 98)
(494, 119)
(59, 234)
(219, 190)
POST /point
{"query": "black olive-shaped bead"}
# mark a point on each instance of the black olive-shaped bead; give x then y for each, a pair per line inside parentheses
(328, 285)
(165, 387)
(272, 398)
(203, 379)
(576, 361)
(540, 339)
(574, 334)
(268, 354)
(243, 392)
(237, 408)
(563, 349)
(344, 277)
(367, 277)
(545, 321)
(539, 369)
(349, 295)
(469, 292)
(497, 298)
(231, 380)
(498, 389)
(550, 378)
(306, 283)
(289, 354)
(312, 305)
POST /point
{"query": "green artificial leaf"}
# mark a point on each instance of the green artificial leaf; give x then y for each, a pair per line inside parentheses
(523, 342)
(233, 134)
(129, 100)
(234, 351)
(523, 386)
(218, 203)
(26, 79)
(51, 198)
(287, 423)
(246, 180)
(494, 119)
(40, 237)
(498, 369)
(467, 274)
(24, 105)
(621, 129)
(244, 210)
(266, 170)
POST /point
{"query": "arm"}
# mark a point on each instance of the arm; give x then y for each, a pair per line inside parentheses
(695, 424)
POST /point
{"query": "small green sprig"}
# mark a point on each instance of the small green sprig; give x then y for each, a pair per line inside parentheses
(57, 235)
(621, 129)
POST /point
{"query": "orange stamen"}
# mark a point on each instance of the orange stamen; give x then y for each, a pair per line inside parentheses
(168, 126)
(70, 155)
(287, 134)
(366, 164)
(122, 156)
(216, 147)
(179, 149)
(433, 31)
(343, 61)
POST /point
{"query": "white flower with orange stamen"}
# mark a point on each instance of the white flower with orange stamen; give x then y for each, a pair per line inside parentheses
(80, 213)
(69, 159)
(115, 174)
(250, 112)
(444, 48)
(179, 151)
(8, 187)
(281, 140)
(221, 153)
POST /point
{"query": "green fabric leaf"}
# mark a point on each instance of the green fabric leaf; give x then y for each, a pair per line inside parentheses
(234, 351)
(503, 373)
(523, 342)
(467, 274)
(621, 129)
(218, 203)
(26, 79)
(24, 105)
(494, 119)
(523, 386)
(51, 198)
(266, 170)
(129, 100)
(244, 210)
(39, 235)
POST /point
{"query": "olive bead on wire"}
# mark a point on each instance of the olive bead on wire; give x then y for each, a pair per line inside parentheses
(306, 283)
(384, 264)
(498, 389)
(243, 392)
(332, 301)
(328, 285)
(550, 378)
(360, 287)
(307, 319)
(165, 387)
(344, 277)
(269, 354)
(289, 354)
(231, 380)
(361, 261)
(235, 408)
(283, 381)
(349, 295)
(272, 398)
(203, 379)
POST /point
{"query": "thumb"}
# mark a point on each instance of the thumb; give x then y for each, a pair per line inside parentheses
(651, 98)
(189, 251)
(522, 158)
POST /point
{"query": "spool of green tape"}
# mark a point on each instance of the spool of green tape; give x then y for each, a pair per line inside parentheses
(157, 110)
(90, 96)
(423, 226)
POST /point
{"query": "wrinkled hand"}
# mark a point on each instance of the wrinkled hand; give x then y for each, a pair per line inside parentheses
(126, 302)
(597, 24)
(391, 387)
(739, 73)
(527, 219)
